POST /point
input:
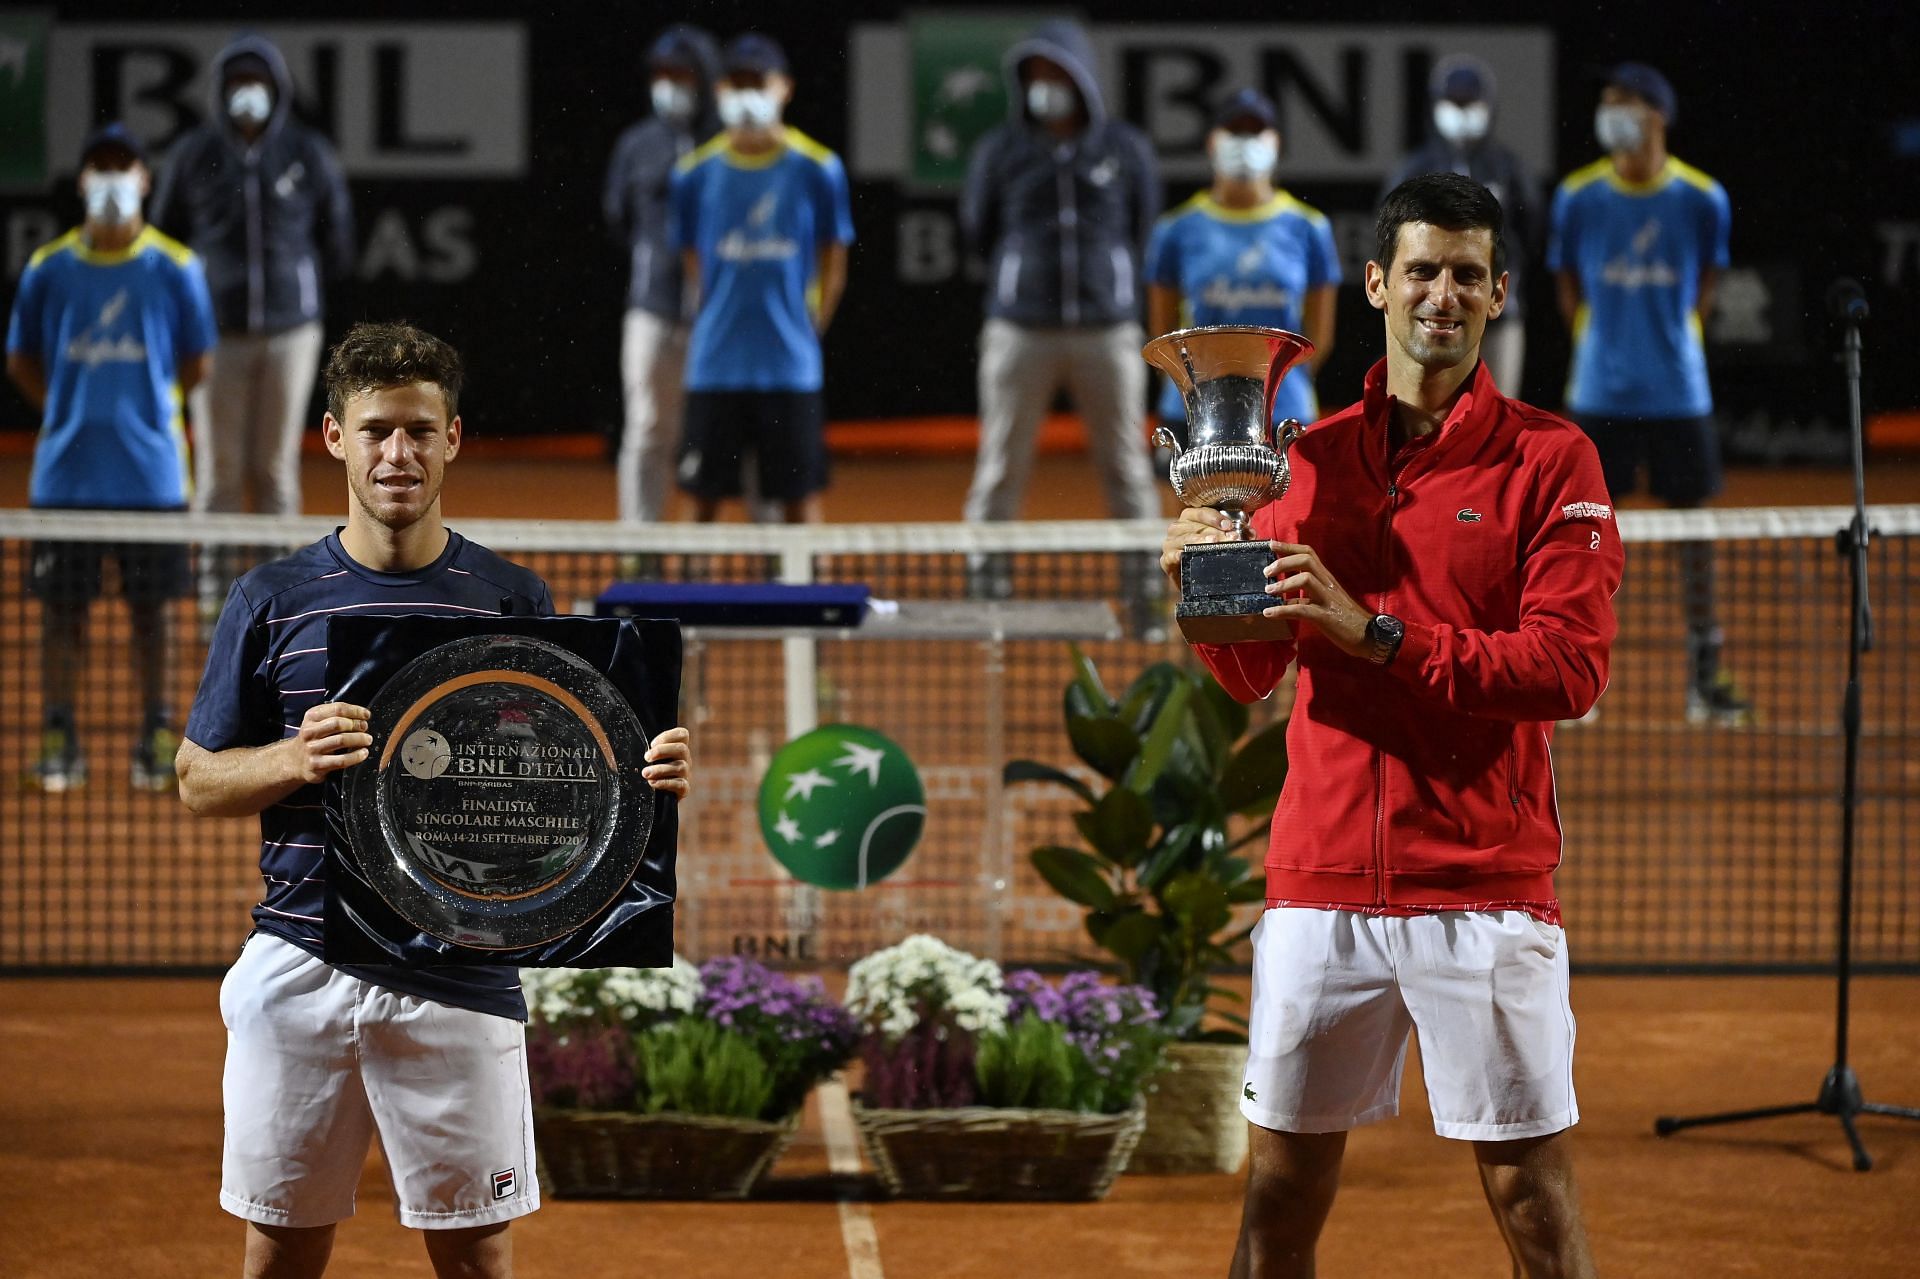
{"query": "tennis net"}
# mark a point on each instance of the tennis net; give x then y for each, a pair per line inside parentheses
(1691, 841)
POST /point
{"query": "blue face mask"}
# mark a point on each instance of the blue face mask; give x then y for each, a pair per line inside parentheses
(250, 104)
(672, 100)
(1050, 100)
(1245, 155)
(1461, 125)
(113, 199)
(748, 108)
(1618, 128)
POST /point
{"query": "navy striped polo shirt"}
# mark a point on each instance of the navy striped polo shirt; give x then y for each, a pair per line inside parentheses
(266, 667)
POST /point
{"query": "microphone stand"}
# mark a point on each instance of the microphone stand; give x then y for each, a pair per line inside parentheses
(1840, 1094)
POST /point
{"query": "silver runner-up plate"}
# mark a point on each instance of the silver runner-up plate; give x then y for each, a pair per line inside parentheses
(502, 803)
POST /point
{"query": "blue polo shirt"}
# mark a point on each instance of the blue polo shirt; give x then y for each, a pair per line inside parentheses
(1245, 266)
(758, 223)
(1639, 250)
(112, 330)
(266, 668)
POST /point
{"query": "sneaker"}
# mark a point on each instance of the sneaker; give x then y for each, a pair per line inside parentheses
(61, 766)
(1718, 703)
(990, 576)
(153, 759)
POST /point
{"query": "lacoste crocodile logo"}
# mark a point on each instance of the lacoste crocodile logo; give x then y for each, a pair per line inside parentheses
(1246, 1090)
(1467, 515)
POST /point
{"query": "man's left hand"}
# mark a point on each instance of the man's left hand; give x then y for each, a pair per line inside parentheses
(1308, 593)
(670, 763)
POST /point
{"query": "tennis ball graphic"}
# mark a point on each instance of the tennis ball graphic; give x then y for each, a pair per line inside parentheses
(841, 807)
(425, 754)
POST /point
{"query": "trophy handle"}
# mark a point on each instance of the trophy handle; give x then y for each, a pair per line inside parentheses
(1285, 434)
(1164, 438)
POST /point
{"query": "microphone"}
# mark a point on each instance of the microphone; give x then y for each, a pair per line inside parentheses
(1847, 301)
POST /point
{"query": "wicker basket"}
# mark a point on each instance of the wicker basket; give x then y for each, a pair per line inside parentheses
(985, 1152)
(609, 1154)
(1193, 1117)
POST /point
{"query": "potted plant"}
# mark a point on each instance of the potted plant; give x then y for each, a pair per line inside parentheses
(673, 1083)
(984, 1087)
(1173, 789)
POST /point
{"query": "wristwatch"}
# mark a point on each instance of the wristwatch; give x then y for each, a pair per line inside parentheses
(1384, 633)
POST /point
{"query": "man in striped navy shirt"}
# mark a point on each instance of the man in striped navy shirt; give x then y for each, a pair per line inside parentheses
(320, 1057)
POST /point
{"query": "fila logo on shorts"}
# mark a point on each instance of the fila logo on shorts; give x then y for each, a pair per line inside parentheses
(505, 1182)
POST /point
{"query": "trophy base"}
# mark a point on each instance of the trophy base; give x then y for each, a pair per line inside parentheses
(1222, 592)
(1229, 620)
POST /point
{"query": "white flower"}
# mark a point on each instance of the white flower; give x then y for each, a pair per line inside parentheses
(556, 995)
(892, 989)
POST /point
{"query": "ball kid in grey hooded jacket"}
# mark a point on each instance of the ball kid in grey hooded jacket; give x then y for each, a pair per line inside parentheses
(270, 218)
(634, 201)
(1061, 223)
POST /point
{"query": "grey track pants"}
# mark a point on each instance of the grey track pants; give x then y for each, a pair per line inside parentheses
(248, 417)
(1021, 369)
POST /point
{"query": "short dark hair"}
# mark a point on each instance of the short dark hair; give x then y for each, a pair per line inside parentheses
(1447, 200)
(374, 357)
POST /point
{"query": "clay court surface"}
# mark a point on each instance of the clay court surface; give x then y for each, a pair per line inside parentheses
(112, 1113)
(109, 1089)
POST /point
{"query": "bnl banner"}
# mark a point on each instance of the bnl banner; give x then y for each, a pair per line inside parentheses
(399, 100)
(1352, 99)
(407, 106)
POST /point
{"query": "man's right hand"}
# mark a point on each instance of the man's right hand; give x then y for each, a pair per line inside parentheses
(1195, 524)
(332, 736)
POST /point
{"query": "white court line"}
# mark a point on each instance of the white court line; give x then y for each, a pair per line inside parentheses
(843, 1158)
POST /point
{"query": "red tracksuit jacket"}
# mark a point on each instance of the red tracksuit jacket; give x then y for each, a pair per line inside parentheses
(1429, 784)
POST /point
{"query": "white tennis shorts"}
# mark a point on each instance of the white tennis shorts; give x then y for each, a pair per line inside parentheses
(1335, 993)
(318, 1062)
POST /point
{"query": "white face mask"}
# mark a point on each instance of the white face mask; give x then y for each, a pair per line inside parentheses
(672, 100)
(1619, 128)
(112, 198)
(1050, 100)
(1461, 125)
(1245, 155)
(250, 104)
(748, 109)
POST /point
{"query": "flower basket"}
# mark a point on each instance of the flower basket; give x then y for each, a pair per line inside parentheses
(611, 1154)
(993, 1152)
(1194, 1122)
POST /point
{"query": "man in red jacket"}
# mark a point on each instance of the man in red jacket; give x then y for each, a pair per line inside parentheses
(1444, 569)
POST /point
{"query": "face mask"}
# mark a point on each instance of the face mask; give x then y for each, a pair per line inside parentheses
(1238, 155)
(672, 100)
(1050, 100)
(250, 104)
(1461, 125)
(1618, 128)
(112, 198)
(748, 108)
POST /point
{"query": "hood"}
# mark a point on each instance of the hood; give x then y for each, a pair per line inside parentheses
(684, 42)
(269, 53)
(1065, 43)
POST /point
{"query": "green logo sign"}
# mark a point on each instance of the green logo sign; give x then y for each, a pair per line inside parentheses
(23, 99)
(841, 807)
(959, 89)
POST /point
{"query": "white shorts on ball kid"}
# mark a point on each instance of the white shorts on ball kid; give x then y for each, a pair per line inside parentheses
(319, 1062)
(1336, 992)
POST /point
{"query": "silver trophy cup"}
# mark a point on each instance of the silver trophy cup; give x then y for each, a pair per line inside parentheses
(1234, 459)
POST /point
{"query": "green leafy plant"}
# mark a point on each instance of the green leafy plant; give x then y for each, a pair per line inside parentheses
(697, 1068)
(1160, 871)
(1031, 1064)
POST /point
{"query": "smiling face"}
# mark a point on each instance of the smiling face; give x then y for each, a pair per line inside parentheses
(1438, 294)
(396, 442)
